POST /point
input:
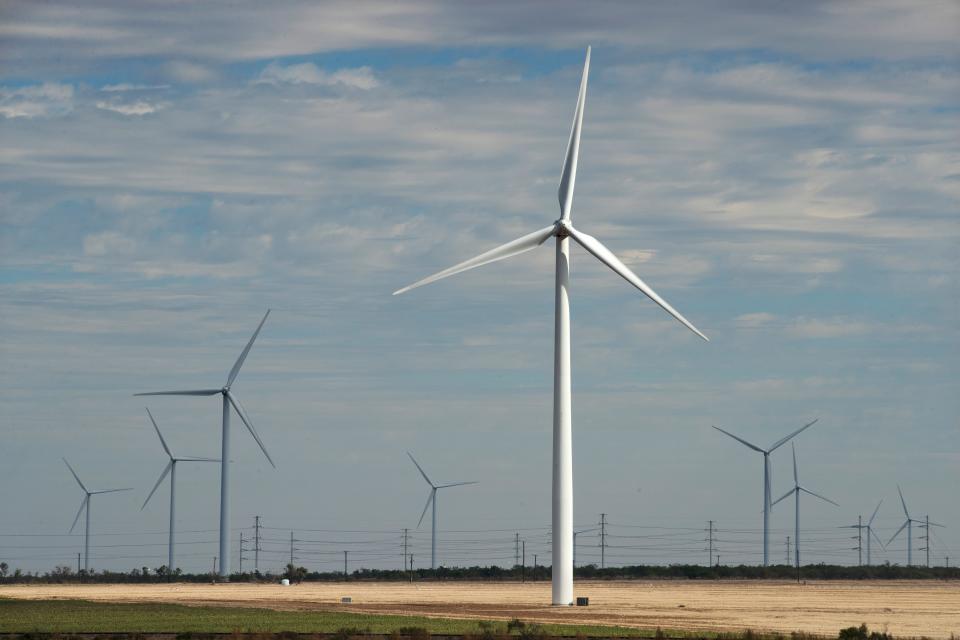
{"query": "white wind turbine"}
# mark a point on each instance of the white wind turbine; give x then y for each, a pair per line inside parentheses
(432, 499)
(797, 489)
(228, 399)
(908, 524)
(563, 231)
(767, 480)
(171, 468)
(85, 504)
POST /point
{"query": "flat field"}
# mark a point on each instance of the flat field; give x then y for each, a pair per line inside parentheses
(903, 608)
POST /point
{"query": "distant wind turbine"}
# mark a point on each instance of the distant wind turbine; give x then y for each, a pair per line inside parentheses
(171, 468)
(767, 480)
(85, 504)
(797, 489)
(563, 230)
(228, 399)
(869, 529)
(908, 524)
(432, 499)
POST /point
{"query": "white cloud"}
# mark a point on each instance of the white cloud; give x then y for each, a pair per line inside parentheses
(138, 108)
(41, 100)
(189, 72)
(826, 328)
(108, 243)
(754, 320)
(309, 73)
(126, 86)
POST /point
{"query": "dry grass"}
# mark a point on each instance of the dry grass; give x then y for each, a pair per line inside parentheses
(904, 608)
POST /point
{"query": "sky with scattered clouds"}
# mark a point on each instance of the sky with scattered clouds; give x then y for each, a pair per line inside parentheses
(787, 175)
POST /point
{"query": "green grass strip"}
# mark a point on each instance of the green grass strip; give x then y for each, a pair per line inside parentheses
(77, 616)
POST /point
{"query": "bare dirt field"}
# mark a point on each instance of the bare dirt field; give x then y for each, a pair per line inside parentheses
(904, 608)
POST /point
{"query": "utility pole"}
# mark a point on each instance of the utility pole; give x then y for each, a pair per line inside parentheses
(926, 538)
(709, 541)
(516, 548)
(345, 564)
(523, 567)
(81, 575)
(534, 566)
(603, 540)
(718, 559)
(241, 553)
(788, 551)
(291, 548)
(405, 549)
(256, 546)
(859, 541)
(411, 567)
(214, 565)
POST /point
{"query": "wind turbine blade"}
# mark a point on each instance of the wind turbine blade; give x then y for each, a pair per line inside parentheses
(75, 476)
(817, 495)
(740, 440)
(903, 502)
(246, 421)
(784, 496)
(936, 524)
(163, 475)
(110, 490)
(902, 527)
(460, 484)
(870, 521)
(796, 479)
(246, 350)
(510, 249)
(783, 440)
(83, 503)
(568, 175)
(160, 435)
(197, 392)
(877, 538)
(607, 257)
(425, 507)
(194, 459)
(422, 472)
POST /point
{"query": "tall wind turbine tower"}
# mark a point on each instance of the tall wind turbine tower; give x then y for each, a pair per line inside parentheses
(229, 399)
(563, 230)
(908, 524)
(85, 505)
(171, 468)
(767, 480)
(797, 489)
(432, 500)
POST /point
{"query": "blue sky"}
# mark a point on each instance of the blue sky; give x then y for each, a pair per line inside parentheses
(787, 178)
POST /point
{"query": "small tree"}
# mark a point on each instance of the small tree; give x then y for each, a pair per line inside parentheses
(4, 567)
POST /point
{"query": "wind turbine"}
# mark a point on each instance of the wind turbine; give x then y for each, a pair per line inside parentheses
(228, 399)
(432, 499)
(85, 504)
(908, 524)
(563, 231)
(797, 489)
(767, 480)
(171, 468)
(868, 528)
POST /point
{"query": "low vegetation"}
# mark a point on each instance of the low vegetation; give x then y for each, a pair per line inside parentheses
(65, 574)
(57, 619)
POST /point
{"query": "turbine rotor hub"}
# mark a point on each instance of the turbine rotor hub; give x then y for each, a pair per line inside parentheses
(562, 228)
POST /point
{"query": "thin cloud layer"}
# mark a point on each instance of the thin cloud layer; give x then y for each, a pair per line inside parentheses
(787, 178)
